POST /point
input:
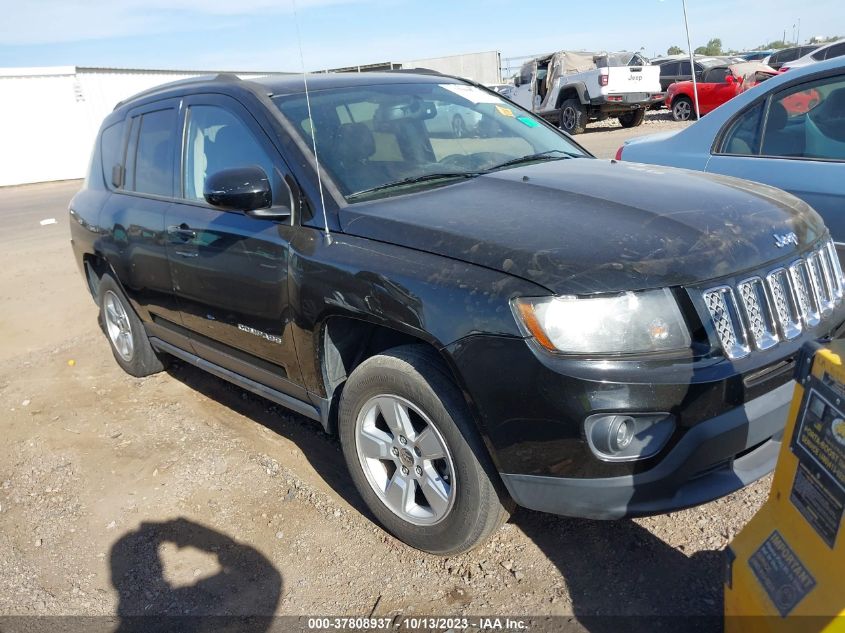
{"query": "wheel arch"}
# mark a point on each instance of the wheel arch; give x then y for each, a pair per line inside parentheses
(345, 342)
(573, 91)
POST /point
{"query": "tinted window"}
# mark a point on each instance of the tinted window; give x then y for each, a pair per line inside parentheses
(716, 75)
(218, 140)
(684, 68)
(669, 69)
(153, 169)
(111, 144)
(835, 51)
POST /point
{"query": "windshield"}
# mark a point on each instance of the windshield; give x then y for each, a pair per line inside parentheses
(377, 140)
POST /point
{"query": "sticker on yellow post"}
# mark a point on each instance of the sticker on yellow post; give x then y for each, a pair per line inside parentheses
(504, 111)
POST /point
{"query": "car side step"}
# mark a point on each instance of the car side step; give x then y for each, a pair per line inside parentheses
(264, 391)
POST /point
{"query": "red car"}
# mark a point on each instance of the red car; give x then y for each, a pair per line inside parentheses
(717, 85)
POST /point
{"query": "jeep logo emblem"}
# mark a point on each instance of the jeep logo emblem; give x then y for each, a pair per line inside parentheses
(785, 239)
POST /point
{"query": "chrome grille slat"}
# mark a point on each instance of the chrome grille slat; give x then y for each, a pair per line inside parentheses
(758, 313)
(721, 304)
(832, 260)
(804, 293)
(778, 305)
(786, 309)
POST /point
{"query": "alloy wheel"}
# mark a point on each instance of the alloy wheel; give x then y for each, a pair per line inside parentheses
(118, 326)
(405, 459)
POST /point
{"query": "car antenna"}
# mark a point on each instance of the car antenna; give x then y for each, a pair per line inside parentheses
(311, 119)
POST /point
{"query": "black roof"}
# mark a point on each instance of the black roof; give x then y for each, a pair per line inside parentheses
(293, 83)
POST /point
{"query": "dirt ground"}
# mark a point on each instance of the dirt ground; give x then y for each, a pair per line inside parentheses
(182, 494)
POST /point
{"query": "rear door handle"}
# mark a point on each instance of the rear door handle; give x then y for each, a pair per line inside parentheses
(183, 230)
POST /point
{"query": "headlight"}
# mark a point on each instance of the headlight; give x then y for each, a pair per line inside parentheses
(632, 322)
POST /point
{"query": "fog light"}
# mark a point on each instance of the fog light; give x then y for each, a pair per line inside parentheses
(624, 433)
(629, 436)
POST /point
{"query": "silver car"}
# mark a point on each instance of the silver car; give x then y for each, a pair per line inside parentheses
(788, 132)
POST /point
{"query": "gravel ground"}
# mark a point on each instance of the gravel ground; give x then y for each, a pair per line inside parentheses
(182, 494)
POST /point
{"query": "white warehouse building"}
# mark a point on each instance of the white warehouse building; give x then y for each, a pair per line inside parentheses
(49, 117)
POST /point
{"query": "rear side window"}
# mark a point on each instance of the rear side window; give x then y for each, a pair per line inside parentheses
(669, 69)
(805, 121)
(111, 144)
(835, 51)
(744, 136)
(152, 167)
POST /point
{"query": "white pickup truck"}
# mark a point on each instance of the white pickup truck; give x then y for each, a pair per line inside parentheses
(573, 88)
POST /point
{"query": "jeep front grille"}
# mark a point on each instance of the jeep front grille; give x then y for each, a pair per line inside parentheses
(777, 306)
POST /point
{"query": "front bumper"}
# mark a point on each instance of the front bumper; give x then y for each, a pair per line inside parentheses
(712, 459)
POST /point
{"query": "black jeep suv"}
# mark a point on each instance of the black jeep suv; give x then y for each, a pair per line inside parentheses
(484, 317)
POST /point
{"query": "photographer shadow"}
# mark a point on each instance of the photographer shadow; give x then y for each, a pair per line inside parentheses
(242, 596)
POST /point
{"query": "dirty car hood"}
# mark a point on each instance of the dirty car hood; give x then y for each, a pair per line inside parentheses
(583, 226)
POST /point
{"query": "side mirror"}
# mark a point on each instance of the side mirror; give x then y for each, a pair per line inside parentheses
(730, 79)
(245, 189)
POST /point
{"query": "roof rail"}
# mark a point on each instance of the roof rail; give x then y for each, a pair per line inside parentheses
(227, 77)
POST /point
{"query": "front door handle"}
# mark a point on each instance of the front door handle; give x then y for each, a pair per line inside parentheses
(183, 230)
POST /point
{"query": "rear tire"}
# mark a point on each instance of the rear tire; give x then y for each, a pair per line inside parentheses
(683, 110)
(414, 455)
(573, 117)
(634, 118)
(125, 332)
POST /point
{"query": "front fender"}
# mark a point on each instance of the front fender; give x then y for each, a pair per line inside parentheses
(430, 297)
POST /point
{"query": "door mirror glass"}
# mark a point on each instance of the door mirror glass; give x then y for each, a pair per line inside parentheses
(245, 189)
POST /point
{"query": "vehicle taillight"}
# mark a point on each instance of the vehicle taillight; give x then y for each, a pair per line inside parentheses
(619, 152)
(603, 79)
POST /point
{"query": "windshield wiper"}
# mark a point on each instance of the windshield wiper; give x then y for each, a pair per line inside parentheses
(547, 155)
(415, 179)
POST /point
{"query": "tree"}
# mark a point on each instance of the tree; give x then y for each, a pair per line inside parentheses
(675, 50)
(714, 47)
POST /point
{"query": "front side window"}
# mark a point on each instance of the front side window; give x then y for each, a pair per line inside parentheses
(216, 140)
(377, 136)
(153, 156)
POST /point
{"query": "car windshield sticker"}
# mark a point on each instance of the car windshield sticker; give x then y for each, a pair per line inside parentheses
(781, 573)
(504, 111)
(471, 93)
(527, 121)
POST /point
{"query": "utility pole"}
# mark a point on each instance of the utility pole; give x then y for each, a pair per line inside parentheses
(691, 60)
(798, 37)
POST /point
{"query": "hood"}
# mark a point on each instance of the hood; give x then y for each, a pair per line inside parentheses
(582, 226)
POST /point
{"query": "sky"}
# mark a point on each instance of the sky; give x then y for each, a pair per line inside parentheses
(262, 35)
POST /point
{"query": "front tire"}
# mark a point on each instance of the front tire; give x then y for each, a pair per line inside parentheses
(414, 455)
(634, 118)
(573, 117)
(125, 332)
(682, 109)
